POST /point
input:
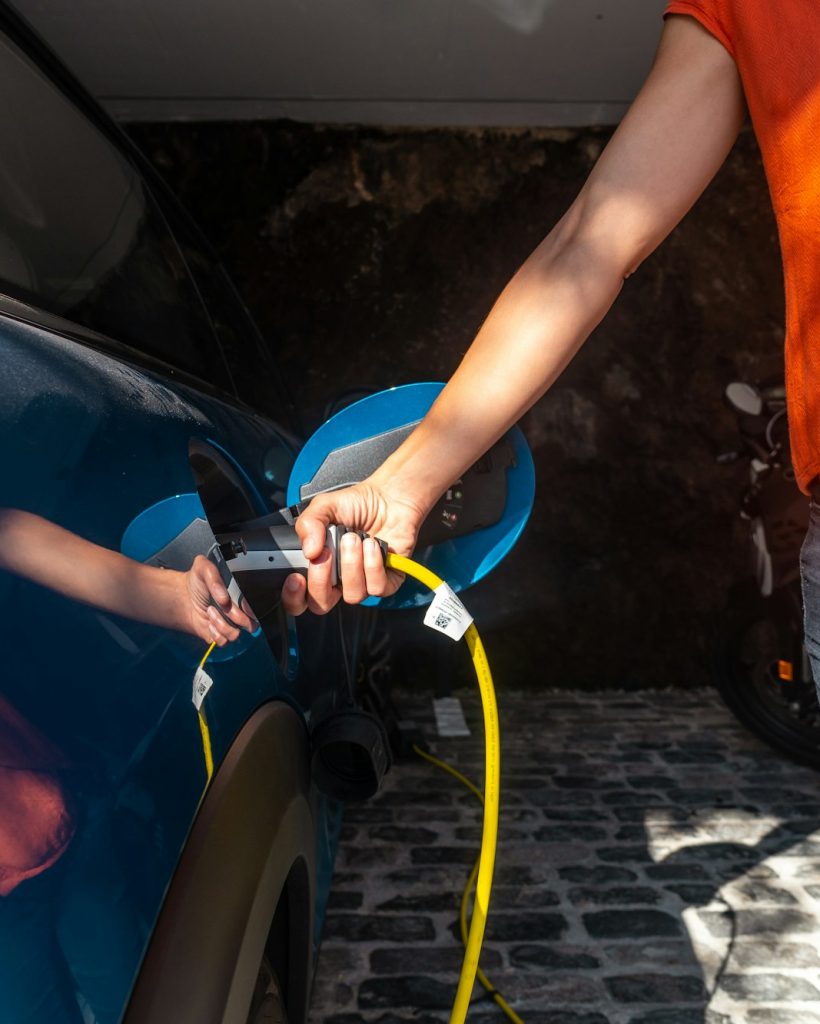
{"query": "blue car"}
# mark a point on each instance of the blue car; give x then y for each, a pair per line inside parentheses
(131, 887)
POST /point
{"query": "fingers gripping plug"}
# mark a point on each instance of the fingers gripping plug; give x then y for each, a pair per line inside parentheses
(272, 547)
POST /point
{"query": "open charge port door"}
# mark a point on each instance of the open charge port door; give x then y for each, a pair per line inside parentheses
(173, 532)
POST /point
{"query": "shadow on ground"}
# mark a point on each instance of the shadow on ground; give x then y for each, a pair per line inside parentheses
(656, 866)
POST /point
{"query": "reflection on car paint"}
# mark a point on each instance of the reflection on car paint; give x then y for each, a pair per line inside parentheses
(109, 694)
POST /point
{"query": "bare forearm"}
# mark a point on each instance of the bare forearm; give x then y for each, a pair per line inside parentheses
(668, 147)
(39, 550)
(537, 325)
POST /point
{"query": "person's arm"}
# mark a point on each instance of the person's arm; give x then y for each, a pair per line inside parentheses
(667, 149)
(41, 551)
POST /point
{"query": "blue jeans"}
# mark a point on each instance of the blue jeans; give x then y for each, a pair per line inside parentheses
(810, 580)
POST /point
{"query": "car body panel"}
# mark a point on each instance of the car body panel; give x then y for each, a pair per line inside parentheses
(127, 360)
(89, 442)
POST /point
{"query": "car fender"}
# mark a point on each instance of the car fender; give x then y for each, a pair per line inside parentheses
(251, 840)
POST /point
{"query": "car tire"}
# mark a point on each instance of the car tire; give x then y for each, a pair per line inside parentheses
(268, 1004)
(754, 635)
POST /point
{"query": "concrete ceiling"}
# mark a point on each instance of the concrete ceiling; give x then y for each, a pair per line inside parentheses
(411, 62)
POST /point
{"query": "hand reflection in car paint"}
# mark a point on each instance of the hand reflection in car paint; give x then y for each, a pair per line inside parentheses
(40, 825)
(193, 602)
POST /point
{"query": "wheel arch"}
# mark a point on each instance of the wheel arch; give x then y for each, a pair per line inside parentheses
(251, 842)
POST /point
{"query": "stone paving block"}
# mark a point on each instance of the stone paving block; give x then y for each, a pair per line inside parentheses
(569, 833)
(575, 814)
(563, 798)
(649, 954)
(540, 957)
(682, 1015)
(367, 814)
(619, 895)
(372, 928)
(429, 903)
(597, 875)
(691, 893)
(769, 988)
(807, 810)
(418, 991)
(416, 815)
(781, 1016)
(557, 855)
(807, 848)
(431, 878)
(402, 834)
(631, 833)
(533, 926)
(508, 898)
(807, 869)
(557, 989)
(464, 855)
(472, 834)
(565, 1017)
(368, 856)
(764, 954)
(340, 899)
(656, 988)
(758, 922)
(522, 874)
(383, 1018)
(630, 854)
(762, 893)
(594, 782)
(651, 782)
(678, 871)
(631, 924)
(428, 959)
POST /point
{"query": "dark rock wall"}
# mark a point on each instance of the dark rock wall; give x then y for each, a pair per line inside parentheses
(369, 258)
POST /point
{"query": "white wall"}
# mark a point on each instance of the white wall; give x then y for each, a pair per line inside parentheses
(414, 62)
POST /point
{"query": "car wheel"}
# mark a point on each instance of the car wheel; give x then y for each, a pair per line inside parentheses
(754, 643)
(268, 1004)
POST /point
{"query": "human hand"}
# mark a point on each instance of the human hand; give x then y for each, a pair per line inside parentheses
(207, 620)
(371, 508)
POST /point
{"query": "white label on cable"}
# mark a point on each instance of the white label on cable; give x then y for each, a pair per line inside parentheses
(202, 683)
(447, 614)
(450, 720)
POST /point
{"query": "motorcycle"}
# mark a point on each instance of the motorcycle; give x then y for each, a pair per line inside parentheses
(763, 671)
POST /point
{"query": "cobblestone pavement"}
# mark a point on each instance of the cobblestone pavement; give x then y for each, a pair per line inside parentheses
(656, 865)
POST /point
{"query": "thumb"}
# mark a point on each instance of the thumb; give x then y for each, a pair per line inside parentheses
(213, 581)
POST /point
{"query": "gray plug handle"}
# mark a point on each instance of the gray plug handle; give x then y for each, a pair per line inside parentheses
(266, 547)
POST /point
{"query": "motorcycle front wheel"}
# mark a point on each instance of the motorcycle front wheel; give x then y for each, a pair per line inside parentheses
(764, 677)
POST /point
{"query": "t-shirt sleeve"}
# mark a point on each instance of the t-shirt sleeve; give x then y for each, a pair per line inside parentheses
(712, 14)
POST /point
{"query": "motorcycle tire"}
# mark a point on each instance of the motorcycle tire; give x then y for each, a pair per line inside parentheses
(758, 635)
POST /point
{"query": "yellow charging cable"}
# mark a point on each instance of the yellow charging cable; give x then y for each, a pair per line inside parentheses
(204, 731)
(483, 869)
(492, 782)
(492, 991)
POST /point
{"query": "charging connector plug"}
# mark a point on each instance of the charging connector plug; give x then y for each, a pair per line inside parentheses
(271, 546)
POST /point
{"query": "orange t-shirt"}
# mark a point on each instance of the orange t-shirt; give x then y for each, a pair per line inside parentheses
(36, 823)
(776, 46)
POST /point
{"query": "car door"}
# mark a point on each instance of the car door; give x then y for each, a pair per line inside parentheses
(111, 417)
